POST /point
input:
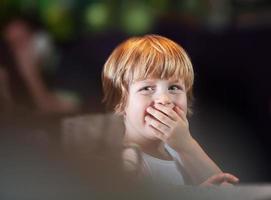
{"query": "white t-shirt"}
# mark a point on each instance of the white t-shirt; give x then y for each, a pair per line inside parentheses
(164, 172)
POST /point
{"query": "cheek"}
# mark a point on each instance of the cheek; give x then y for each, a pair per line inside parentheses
(142, 103)
(181, 102)
(138, 106)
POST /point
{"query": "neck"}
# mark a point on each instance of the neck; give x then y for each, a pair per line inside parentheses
(148, 146)
(143, 142)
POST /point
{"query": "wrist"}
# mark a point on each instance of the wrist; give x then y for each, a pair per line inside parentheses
(190, 146)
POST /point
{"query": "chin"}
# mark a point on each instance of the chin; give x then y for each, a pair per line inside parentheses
(148, 133)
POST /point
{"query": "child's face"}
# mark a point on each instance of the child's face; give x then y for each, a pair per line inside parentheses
(146, 93)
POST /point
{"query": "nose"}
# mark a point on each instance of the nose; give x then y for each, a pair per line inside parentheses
(164, 99)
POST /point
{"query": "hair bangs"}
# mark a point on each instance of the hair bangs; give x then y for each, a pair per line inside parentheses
(154, 63)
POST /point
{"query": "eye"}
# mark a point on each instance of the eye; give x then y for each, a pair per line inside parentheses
(146, 89)
(176, 88)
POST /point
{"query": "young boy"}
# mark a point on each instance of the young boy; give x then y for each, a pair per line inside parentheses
(148, 80)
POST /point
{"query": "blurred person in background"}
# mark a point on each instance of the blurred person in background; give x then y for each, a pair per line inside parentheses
(5, 96)
(28, 54)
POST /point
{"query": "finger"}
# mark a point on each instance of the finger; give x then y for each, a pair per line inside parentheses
(226, 184)
(160, 116)
(216, 179)
(180, 113)
(167, 111)
(157, 125)
(230, 178)
(158, 133)
(222, 177)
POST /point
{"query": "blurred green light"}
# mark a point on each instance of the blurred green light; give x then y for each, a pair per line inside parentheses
(137, 19)
(59, 21)
(97, 16)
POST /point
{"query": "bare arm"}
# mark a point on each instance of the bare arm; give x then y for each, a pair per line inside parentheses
(197, 163)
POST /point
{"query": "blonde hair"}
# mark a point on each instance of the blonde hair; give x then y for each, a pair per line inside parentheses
(139, 58)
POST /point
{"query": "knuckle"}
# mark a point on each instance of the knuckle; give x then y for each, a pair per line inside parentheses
(160, 126)
(154, 112)
(163, 118)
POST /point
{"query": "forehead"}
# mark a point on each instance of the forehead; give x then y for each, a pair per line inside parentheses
(139, 83)
(160, 72)
(155, 80)
(156, 73)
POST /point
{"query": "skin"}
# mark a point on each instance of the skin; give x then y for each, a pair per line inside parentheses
(156, 113)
